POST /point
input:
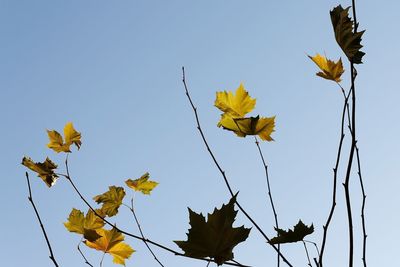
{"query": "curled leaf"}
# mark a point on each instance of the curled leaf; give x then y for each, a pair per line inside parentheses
(298, 233)
(348, 40)
(330, 70)
(142, 184)
(45, 170)
(111, 200)
(261, 126)
(71, 137)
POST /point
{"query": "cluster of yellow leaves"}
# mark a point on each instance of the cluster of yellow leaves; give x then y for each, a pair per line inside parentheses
(142, 184)
(235, 107)
(91, 227)
(45, 170)
(71, 136)
(330, 70)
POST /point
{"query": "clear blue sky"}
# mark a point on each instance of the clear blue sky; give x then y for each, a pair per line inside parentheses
(113, 68)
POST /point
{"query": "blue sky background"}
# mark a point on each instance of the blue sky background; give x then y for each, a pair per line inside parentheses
(113, 68)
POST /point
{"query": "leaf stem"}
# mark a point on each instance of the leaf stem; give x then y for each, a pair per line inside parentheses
(83, 255)
(269, 192)
(223, 172)
(308, 256)
(30, 198)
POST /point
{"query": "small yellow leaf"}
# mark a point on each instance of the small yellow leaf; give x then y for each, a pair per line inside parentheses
(71, 137)
(84, 225)
(235, 105)
(56, 142)
(45, 170)
(142, 184)
(111, 242)
(261, 126)
(111, 200)
(330, 70)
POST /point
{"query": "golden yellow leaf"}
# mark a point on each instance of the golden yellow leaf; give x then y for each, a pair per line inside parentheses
(261, 126)
(330, 70)
(84, 225)
(71, 137)
(45, 170)
(235, 105)
(111, 242)
(142, 184)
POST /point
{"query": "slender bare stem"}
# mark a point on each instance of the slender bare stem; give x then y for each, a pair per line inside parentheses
(176, 253)
(83, 255)
(142, 234)
(271, 201)
(223, 172)
(308, 255)
(314, 244)
(102, 258)
(335, 171)
(30, 198)
(364, 196)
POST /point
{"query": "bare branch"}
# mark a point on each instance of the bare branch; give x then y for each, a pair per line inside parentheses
(52, 258)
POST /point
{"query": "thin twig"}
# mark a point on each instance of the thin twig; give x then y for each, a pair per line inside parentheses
(364, 196)
(315, 245)
(269, 192)
(141, 233)
(83, 255)
(223, 172)
(308, 256)
(335, 171)
(176, 253)
(52, 258)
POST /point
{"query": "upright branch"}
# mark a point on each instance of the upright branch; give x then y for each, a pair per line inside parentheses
(269, 191)
(176, 253)
(335, 171)
(52, 258)
(352, 126)
(364, 196)
(223, 172)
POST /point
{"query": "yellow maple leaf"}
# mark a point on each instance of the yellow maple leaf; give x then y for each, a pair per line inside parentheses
(261, 126)
(236, 105)
(45, 170)
(142, 184)
(71, 137)
(84, 225)
(330, 70)
(111, 242)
